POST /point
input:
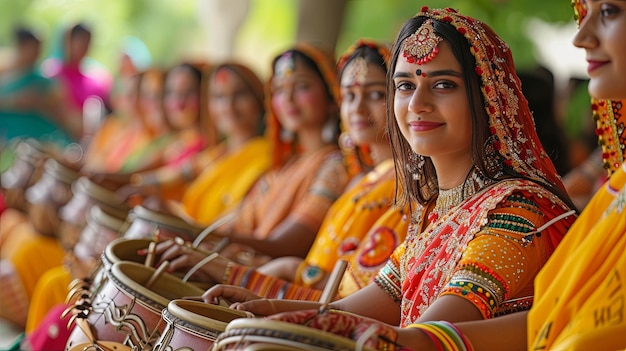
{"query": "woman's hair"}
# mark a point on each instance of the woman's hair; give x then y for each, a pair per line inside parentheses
(79, 29)
(24, 35)
(421, 186)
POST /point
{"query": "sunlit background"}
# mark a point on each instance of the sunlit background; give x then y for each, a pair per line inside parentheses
(538, 31)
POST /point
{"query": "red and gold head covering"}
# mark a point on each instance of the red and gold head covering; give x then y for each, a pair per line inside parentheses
(510, 119)
(610, 123)
(356, 157)
(325, 62)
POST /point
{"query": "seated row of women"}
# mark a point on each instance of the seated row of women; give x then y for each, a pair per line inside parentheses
(443, 202)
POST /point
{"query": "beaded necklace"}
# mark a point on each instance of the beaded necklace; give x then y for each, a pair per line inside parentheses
(449, 198)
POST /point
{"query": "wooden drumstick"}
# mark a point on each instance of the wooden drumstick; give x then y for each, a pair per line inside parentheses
(150, 255)
(157, 273)
(332, 286)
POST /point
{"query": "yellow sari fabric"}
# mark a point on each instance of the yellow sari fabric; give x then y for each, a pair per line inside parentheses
(226, 180)
(349, 231)
(51, 290)
(580, 296)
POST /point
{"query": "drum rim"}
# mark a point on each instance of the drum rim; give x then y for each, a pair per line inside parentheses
(100, 194)
(109, 254)
(282, 330)
(179, 316)
(102, 216)
(164, 219)
(140, 293)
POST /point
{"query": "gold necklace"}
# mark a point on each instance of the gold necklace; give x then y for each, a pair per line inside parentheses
(450, 198)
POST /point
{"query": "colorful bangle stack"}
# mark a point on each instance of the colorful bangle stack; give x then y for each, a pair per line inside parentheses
(445, 335)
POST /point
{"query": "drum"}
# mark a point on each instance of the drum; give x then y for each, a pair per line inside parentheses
(123, 249)
(118, 250)
(46, 196)
(74, 214)
(25, 170)
(146, 222)
(103, 226)
(194, 325)
(264, 334)
(127, 308)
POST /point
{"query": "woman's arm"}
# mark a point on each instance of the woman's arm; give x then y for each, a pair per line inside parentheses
(289, 238)
(372, 302)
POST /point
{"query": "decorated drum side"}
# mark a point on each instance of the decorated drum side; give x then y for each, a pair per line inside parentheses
(145, 223)
(46, 196)
(126, 310)
(24, 172)
(193, 325)
(118, 250)
(102, 228)
(74, 214)
(248, 333)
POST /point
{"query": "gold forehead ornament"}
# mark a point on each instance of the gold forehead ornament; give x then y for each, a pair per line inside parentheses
(421, 46)
(355, 72)
(285, 65)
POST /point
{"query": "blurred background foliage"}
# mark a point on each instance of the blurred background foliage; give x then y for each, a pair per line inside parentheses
(174, 29)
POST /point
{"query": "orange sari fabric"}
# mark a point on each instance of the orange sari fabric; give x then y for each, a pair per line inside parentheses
(303, 190)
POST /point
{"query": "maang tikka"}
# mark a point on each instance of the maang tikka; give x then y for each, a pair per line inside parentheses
(355, 73)
(285, 65)
(421, 46)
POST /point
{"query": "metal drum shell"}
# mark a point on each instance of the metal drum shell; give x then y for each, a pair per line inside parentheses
(125, 310)
(194, 325)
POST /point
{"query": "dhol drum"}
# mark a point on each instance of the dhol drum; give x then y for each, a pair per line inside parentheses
(86, 194)
(123, 249)
(103, 226)
(46, 196)
(118, 250)
(262, 334)
(23, 172)
(193, 325)
(127, 309)
(145, 223)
